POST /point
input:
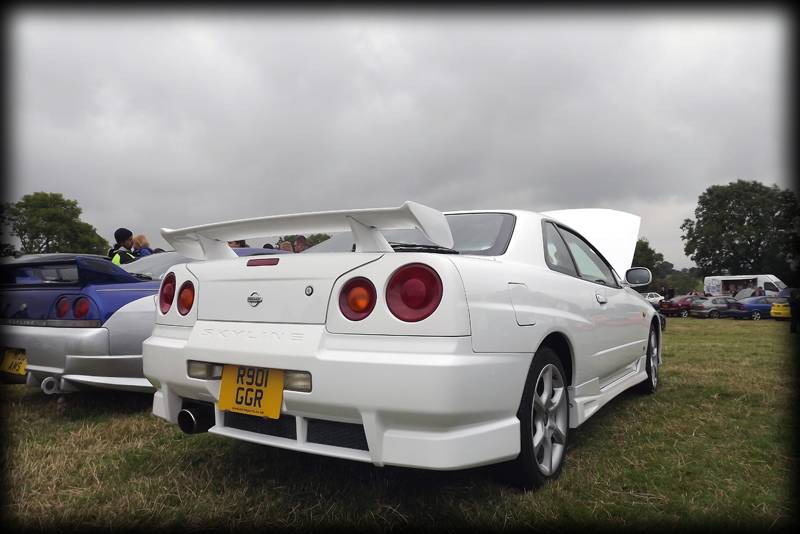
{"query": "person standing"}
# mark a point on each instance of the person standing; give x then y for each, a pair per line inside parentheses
(300, 243)
(794, 309)
(141, 246)
(122, 253)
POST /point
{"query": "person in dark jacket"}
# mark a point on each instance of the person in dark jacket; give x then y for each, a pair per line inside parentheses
(794, 308)
(122, 253)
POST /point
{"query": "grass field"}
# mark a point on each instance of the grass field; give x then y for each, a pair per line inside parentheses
(712, 448)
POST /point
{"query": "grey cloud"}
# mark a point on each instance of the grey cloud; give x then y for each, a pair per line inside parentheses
(173, 120)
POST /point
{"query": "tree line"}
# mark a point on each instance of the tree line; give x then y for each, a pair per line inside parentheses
(744, 227)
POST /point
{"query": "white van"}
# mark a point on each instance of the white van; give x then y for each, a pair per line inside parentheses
(731, 284)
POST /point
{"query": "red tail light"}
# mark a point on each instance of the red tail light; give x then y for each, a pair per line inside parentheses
(167, 293)
(414, 292)
(357, 298)
(186, 298)
(62, 307)
(81, 308)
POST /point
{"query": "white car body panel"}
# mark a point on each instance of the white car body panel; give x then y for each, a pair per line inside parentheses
(441, 393)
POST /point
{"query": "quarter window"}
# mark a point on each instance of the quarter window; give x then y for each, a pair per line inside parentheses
(556, 254)
(590, 265)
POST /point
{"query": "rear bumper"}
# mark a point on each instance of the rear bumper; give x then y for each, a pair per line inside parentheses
(781, 313)
(427, 402)
(75, 357)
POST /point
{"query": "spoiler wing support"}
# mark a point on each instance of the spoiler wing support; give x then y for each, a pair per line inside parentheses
(209, 241)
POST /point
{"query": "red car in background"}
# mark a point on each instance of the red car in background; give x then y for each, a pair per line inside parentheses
(678, 305)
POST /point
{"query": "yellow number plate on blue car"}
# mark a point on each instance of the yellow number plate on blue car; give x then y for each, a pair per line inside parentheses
(14, 361)
(251, 391)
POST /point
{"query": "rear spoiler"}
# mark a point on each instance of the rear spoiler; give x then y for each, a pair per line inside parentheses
(209, 241)
(90, 270)
(613, 232)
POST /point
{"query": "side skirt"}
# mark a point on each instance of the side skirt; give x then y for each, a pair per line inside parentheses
(585, 399)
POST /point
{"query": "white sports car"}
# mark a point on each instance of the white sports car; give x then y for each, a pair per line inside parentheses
(412, 337)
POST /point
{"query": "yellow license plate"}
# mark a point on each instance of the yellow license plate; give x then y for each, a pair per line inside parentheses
(251, 390)
(14, 362)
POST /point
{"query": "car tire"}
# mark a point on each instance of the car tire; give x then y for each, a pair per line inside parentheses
(684, 313)
(544, 418)
(714, 314)
(652, 361)
(756, 315)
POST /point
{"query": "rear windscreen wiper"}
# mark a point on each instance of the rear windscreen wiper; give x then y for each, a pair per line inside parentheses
(422, 248)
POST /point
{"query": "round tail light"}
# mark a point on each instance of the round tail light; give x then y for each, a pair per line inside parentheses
(185, 298)
(62, 307)
(167, 293)
(414, 292)
(357, 298)
(81, 308)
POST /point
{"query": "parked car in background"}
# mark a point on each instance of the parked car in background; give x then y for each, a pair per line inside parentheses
(745, 293)
(70, 321)
(412, 337)
(780, 310)
(653, 298)
(713, 307)
(754, 308)
(678, 306)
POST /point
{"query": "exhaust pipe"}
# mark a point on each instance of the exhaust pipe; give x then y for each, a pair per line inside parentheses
(50, 386)
(196, 419)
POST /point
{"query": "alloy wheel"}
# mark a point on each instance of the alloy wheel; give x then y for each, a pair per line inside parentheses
(756, 315)
(549, 419)
(653, 357)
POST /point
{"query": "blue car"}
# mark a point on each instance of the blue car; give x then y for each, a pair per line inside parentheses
(754, 308)
(69, 321)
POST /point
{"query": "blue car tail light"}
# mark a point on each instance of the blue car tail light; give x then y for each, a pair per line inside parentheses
(75, 311)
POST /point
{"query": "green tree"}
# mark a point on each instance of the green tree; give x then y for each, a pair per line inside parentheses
(6, 249)
(645, 256)
(48, 222)
(312, 239)
(745, 228)
(664, 273)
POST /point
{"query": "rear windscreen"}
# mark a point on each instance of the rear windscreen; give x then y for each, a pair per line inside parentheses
(34, 274)
(480, 234)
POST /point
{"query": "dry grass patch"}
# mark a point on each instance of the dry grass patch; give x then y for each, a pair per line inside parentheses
(711, 448)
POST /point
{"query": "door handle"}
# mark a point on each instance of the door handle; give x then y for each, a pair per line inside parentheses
(600, 298)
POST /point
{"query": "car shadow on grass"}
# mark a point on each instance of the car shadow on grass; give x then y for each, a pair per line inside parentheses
(89, 403)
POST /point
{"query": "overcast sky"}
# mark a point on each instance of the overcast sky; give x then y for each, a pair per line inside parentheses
(171, 119)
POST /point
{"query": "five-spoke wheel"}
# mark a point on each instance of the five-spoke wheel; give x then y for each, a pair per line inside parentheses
(651, 363)
(544, 421)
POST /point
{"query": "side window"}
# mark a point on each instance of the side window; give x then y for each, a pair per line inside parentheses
(769, 286)
(591, 267)
(555, 252)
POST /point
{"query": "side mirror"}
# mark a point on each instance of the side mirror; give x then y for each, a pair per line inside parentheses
(638, 276)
